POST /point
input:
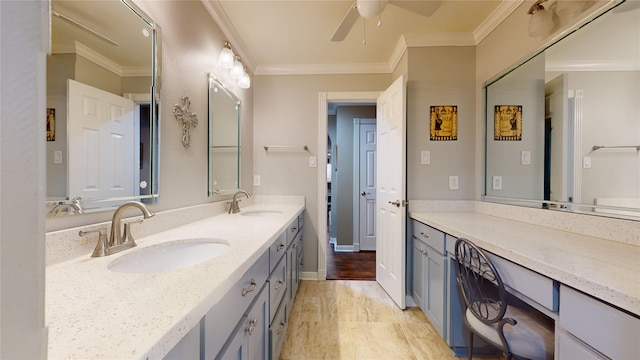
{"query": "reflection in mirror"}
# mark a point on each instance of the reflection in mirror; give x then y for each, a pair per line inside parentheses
(577, 108)
(224, 139)
(102, 118)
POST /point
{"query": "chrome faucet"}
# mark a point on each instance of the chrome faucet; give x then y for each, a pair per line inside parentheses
(235, 208)
(74, 208)
(122, 240)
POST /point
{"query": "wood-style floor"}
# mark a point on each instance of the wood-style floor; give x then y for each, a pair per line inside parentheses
(350, 265)
(356, 320)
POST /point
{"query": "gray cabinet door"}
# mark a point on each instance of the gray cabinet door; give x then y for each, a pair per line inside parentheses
(419, 273)
(435, 289)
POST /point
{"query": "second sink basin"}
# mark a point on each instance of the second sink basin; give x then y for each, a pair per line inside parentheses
(170, 256)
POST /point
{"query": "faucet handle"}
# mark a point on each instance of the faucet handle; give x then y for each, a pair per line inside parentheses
(101, 246)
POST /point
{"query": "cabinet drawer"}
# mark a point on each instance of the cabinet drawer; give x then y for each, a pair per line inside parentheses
(537, 287)
(570, 348)
(450, 242)
(277, 287)
(277, 250)
(292, 231)
(278, 331)
(223, 317)
(603, 327)
(301, 220)
(432, 237)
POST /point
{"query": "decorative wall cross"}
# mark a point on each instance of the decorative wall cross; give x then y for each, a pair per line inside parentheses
(184, 115)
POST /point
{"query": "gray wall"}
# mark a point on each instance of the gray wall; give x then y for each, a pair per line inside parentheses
(440, 76)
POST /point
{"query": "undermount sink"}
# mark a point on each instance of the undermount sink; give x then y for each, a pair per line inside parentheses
(260, 212)
(170, 256)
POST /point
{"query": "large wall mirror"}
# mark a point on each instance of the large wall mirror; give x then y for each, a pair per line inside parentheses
(224, 139)
(563, 128)
(102, 106)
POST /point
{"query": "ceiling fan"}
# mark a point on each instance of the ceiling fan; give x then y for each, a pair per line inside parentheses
(372, 8)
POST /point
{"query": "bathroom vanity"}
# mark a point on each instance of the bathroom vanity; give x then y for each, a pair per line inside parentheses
(236, 303)
(588, 286)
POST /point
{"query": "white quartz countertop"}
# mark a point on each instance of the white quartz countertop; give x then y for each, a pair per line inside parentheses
(607, 270)
(95, 313)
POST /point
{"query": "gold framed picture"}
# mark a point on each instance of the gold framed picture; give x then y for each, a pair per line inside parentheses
(508, 123)
(51, 124)
(443, 123)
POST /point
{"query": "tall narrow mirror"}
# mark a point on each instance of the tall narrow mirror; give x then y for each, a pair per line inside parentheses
(102, 118)
(224, 139)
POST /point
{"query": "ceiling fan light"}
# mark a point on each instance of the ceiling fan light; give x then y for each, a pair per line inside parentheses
(245, 81)
(371, 8)
(541, 22)
(237, 70)
(225, 59)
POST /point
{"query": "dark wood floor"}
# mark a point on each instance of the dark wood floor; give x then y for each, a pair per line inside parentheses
(350, 265)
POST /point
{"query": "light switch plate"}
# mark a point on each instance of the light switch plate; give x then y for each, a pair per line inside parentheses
(453, 182)
(57, 157)
(256, 180)
(497, 183)
(425, 157)
(525, 157)
(313, 161)
(586, 162)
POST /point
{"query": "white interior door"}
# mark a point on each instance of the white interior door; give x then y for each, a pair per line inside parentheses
(391, 174)
(367, 194)
(101, 143)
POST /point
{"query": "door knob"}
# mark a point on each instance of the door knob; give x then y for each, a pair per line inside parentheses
(363, 193)
(396, 203)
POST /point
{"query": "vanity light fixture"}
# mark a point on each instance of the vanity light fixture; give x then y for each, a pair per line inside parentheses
(226, 57)
(541, 22)
(230, 61)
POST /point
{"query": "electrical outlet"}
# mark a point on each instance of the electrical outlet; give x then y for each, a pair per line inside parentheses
(453, 182)
(497, 183)
(256, 180)
(425, 157)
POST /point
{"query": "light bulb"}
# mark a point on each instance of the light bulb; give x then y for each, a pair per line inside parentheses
(245, 81)
(371, 8)
(541, 23)
(237, 70)
(225, 59)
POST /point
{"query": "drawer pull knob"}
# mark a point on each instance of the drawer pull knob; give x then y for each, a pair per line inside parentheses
(280, 247)
(251, 288)
(279, 285)
(280, 328)
(252, 326)
(424, 234)
(293, 229)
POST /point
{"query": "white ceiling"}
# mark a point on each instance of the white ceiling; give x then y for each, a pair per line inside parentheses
(293, 36)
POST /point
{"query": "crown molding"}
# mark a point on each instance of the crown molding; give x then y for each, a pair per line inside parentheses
(498, 15)
(222, 20)
(99, 59)
(602, 65)
(323, 69)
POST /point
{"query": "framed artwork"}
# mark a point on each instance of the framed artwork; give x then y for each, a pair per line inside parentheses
(443, 123)
(51, 124)
(508, 123)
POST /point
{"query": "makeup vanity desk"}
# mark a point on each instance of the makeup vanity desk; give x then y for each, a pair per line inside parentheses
(589, 286)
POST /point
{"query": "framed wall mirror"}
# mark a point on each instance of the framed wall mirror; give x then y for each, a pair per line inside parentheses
(563, 128)
(224, 140)
(102, 106)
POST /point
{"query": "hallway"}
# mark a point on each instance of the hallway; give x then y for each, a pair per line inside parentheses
(350, 265)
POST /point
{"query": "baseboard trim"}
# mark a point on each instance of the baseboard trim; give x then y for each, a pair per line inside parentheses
(309, 275)
(344, 248)
(332, 240)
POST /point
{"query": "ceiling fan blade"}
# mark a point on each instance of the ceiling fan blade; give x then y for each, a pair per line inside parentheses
(422, 7)
(346, 24)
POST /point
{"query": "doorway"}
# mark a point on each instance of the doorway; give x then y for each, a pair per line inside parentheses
(350, 138)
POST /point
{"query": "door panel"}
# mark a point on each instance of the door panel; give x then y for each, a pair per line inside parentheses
(391, 214)
(367, 177)
(101, 143)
